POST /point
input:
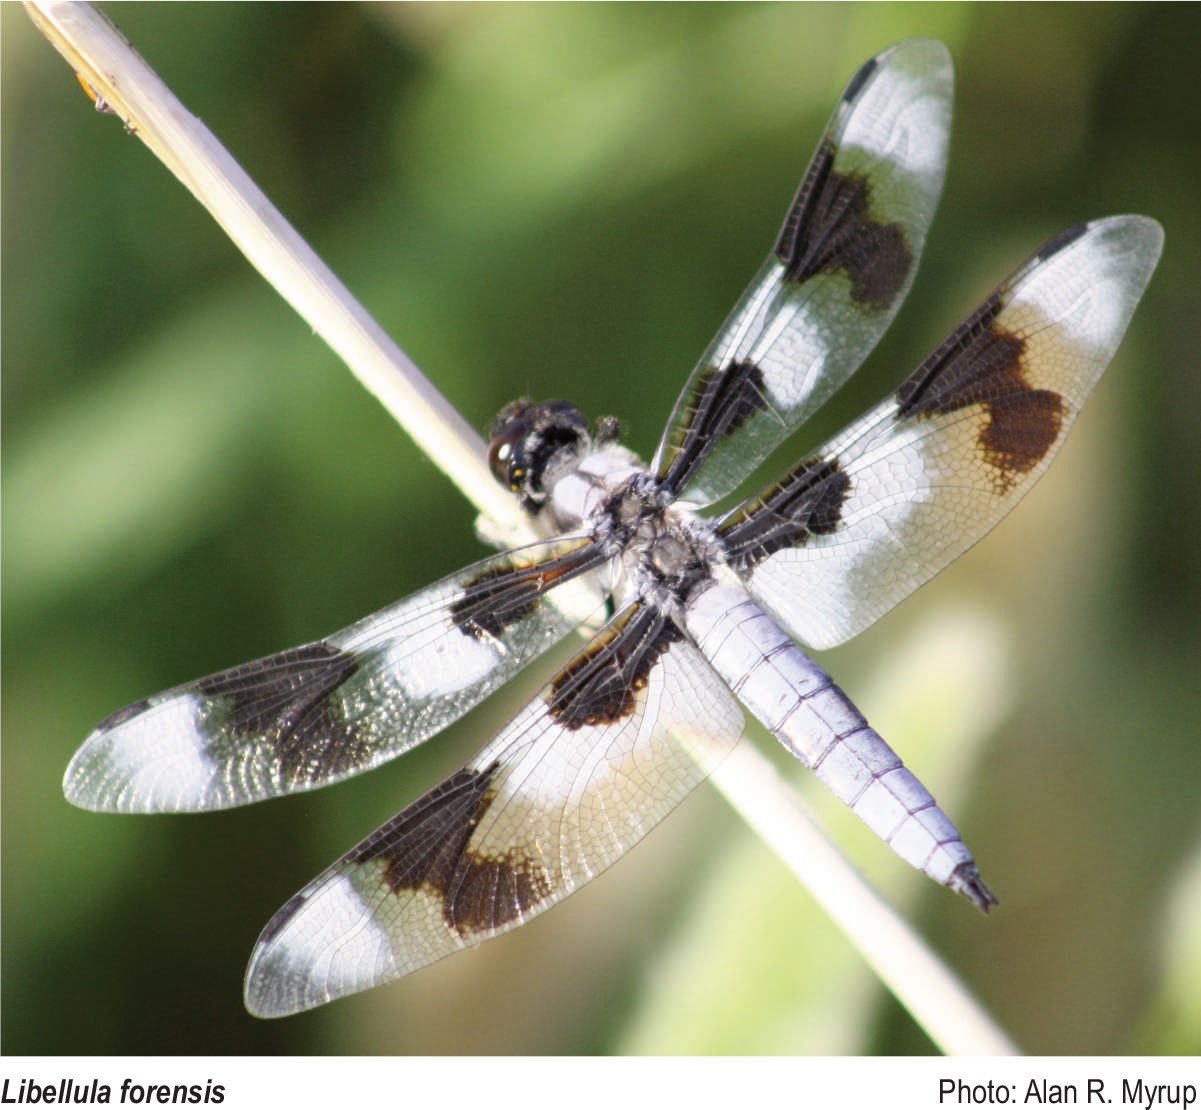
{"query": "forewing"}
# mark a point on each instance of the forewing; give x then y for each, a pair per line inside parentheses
(838, 273)
(903, 491)
(330, 709)
(577, 778)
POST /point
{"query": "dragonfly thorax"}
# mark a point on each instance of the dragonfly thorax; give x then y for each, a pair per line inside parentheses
(660, 550)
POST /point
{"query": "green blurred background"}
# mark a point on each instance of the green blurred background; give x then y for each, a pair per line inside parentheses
(566, 200)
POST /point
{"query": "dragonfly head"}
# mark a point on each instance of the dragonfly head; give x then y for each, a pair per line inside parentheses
(527, 440)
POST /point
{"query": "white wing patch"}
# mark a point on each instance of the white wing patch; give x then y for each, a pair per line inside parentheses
(154, 768)
(425, 657)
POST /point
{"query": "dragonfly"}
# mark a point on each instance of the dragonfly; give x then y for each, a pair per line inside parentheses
(697, 619)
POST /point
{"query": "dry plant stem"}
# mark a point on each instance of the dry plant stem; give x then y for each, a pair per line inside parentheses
(125, 85)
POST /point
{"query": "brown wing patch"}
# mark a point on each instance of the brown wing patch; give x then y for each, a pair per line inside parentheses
(1022, 428)
(427, 848)
(982, 363)
(599, 685)
(830, 227)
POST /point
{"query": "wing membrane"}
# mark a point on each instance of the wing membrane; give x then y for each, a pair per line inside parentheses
(320, 713)
(838, 273)
(889, 502)
(606, 751)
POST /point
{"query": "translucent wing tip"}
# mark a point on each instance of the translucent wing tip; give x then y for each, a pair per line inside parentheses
(281, 978)
(920, 66)
(1139, 237)
(928, 58)
(90, 782)
(930, 53)
(1090, 278)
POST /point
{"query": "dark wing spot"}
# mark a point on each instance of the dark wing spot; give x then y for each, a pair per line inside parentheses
(281, 917)
(720, 402)
(598, 686)
(981, 363)
(285, 700)
(806, 502)
(426, 847)
(859, 80)
(830, 227)
(1055, 245)
(503, 595)
(122, 715)
(494, 600)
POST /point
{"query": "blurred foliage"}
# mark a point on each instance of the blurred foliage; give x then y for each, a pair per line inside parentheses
(566, 200)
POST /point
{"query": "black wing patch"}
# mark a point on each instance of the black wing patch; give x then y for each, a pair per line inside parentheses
(807, 501)
(718, 405)
(831, 228)
(501, 596)
(599, 686)
(283, 700)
